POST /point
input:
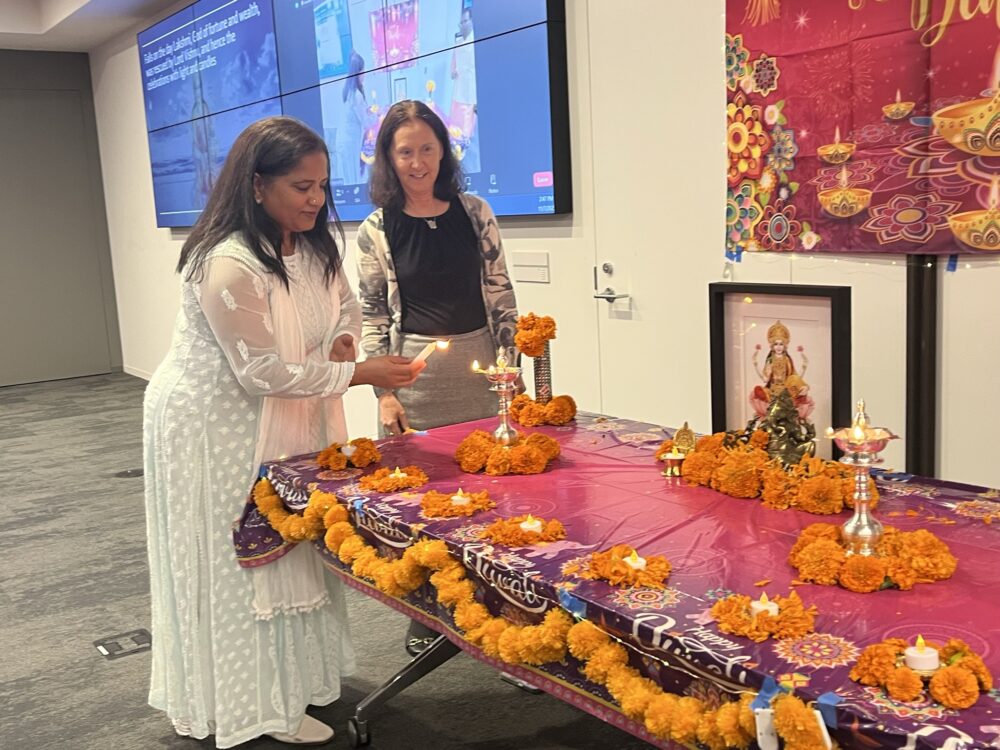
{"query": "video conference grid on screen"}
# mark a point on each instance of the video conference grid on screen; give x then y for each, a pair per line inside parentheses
(482, 65)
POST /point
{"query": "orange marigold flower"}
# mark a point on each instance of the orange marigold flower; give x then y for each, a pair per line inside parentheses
(796, 723)
(794, 618)
(900, 573)
(927, 555)
(820, 494)
(903, 684)
(760, 438)
(532, 333)
(332, 458)
(667, 446)
(778, 487)
(710, 443)
(687, 716)
(698, 467)
(821, 561)
(560, 410)
(862, 573)
(474, 450)
(584, 638)
(547, 445)
(498, 462)
(517, 404)
(660, 714)
(365, 452)
(525, 458)
(954, 687)
(975, 664)
(877, 662)
(531, 415)
(739, 473)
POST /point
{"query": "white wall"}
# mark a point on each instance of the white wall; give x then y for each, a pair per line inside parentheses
(144, 256)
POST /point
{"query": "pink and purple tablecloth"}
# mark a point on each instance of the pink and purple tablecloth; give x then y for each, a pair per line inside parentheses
(606, 488)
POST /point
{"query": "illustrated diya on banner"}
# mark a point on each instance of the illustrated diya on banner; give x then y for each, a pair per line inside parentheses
(980, 228)
(898, 109)
(836, 152)
(844, 201)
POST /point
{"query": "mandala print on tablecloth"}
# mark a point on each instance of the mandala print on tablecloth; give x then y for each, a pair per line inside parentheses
(817, 650)
(984, 510)
(910, 218)
(576, 564)
(468, 533)
(714, 595)
(793, 680)
(643, 598)
(636, 438)
(742, 214)
(919, 710)
(328, 475)
(779, 229)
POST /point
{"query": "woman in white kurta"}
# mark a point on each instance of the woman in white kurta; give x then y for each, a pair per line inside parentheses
(262, 351)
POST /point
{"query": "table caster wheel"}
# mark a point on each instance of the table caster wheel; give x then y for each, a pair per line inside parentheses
(356, 734)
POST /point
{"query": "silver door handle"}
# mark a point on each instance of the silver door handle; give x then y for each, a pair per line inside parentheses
(610, 295)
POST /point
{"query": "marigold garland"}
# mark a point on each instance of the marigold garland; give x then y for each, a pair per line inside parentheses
(611, 566)
(436, 504)
(739, 466)
(530, 455)
(508, 531)
(532, 333)
(363, 452)
(667, 716)
(904, 558)
(956, 684)
(793, 620)
(559, 411)
(386, 480)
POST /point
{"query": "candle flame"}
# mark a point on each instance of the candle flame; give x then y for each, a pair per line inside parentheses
(460, 493)
(843, 177)
(475, 364)
(898, 98)
(858, 433)
(634, 557)
(529, 519)
(442, 345)
(836, 134)
(920, 644)
(764, 599)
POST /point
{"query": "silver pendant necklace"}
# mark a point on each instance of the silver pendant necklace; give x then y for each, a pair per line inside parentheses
(432, 223)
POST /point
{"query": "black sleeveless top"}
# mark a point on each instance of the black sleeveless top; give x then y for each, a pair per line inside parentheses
(439, 271)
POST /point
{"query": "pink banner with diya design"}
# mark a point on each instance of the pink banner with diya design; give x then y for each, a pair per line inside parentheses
(863, 126)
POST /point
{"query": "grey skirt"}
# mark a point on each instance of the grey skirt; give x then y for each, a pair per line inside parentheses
(447, 391)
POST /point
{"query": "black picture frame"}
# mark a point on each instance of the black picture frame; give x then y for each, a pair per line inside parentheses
(737, 330)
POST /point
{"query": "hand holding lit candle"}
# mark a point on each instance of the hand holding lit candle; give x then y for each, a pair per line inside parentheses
(635, 562)
(430, 348)
(531, 524)
(921, 657)
(763, 605)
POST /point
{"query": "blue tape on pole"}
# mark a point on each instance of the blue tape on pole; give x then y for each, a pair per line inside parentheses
(827, 705)
(952, 263)
(768, 690)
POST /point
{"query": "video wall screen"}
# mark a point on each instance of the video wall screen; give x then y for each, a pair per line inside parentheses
(494, 70)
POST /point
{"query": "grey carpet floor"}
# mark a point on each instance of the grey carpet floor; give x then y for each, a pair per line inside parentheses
(73, 571)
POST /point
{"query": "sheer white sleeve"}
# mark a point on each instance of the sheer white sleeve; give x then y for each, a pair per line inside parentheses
(350, 308)
(234, 299)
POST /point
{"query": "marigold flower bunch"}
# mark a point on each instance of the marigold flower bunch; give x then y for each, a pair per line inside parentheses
(904, 558)
(508, 531)
(393, 480)
(530, 455)
(956, 684)
(360, 453)
(532, 333)
(739, 466)
(611, 565)
(559, 411)
(436, 504)
(793, 620)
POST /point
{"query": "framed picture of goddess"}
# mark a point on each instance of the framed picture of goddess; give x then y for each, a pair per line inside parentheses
(770, 338)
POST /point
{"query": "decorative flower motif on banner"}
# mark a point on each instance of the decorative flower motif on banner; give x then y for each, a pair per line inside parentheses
(644, 598)
(910, 218)
(817, 650)
(783, 149)
(737, 57)
(742, 214)
(765, 75)
(949, 170)
(858, 173)
(746, 140)
(809, 239)
(779, 229)
(919, 710)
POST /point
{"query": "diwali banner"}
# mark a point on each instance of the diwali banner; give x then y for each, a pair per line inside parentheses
(863, 126)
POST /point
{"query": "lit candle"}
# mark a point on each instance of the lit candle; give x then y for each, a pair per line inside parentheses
(475, 365)
(531, 524)
(460, 498)
(921, 657)
(858, 434)
(430, 348)
(348, 450)
(399, 474)
(763, 605)
(635, 562)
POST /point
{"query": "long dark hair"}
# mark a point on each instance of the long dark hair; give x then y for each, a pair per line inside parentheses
(356, 63)
(384, 187)
(270, 147)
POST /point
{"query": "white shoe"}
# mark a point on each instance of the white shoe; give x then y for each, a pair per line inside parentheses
(311, 732)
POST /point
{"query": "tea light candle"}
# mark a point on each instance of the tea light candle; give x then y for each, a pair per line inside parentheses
(430, 348)
(635, 562)
(763, 605)
(672, 463)
(460, 498)
(531, 524)
(921, 657)
(399, 474)
(348, 450)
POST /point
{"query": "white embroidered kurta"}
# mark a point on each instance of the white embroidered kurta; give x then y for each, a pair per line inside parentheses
(247, 378)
